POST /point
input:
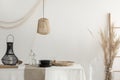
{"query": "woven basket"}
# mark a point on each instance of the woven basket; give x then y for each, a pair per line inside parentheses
(62, 63)
(8, 66)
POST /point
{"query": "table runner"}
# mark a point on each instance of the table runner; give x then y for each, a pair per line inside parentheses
(33, 73)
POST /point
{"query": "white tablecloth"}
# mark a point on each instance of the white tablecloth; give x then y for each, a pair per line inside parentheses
(11, 74)
(75, 72)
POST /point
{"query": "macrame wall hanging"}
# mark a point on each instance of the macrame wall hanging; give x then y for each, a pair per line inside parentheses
(16, 23)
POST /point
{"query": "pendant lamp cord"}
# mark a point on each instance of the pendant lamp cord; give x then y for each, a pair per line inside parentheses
(43, 8)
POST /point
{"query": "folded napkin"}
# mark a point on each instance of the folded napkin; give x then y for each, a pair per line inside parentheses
(34, 73)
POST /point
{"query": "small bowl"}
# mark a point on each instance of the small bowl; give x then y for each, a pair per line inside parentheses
(45, 62)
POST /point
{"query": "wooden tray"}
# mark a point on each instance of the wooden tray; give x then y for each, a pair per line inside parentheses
(62, 63)
(7, 66)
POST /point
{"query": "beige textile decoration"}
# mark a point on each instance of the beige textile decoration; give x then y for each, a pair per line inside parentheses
(18, 22)
(43, 26)
(33, 73)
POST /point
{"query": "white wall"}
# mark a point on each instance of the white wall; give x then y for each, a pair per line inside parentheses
(69, 38)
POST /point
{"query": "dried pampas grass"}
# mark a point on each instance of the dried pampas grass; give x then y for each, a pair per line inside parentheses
(110, 45)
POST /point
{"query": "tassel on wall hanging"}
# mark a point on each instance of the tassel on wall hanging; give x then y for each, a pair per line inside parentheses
(43, 25)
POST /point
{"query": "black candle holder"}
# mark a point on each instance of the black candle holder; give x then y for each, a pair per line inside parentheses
(9, 58)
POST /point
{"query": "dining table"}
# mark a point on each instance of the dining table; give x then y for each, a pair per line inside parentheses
(29, 72)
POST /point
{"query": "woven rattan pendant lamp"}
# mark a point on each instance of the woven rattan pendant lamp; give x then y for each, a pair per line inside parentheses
(43, 25)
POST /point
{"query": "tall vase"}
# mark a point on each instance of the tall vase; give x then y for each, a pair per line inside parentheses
(9, 58)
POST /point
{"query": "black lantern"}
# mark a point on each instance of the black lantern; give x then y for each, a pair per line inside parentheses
(9, 58)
